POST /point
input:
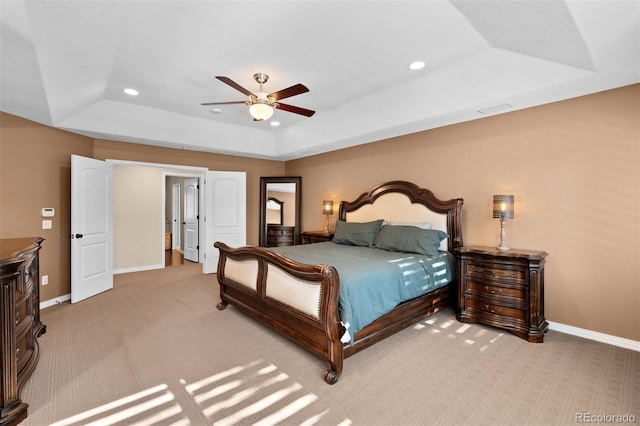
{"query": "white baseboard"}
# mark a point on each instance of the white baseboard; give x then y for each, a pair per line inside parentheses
(67, 297)
(594, 335)
(52, 302)
(138, 269)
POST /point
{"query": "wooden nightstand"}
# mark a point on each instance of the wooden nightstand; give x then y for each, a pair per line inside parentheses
(504, 289)
(310, 237)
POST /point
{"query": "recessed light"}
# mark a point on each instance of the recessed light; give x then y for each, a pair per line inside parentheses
(275, 123)
(131, 92)
(417, 65)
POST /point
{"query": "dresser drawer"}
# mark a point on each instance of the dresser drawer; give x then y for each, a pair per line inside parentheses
(24, 341)
(280, 236)
(485, 289)
(22, 311)
(496, 309)
(27, 277)
(24, 350)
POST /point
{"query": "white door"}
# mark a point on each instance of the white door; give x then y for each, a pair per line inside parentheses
(226, 207)
(190, 249)
(175, 216)
(91, 227)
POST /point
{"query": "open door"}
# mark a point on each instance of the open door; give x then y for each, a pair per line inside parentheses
(226, 207)
(91, 227)
(176, 224)
(191, 218)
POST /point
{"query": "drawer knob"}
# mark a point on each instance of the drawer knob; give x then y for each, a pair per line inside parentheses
(492, 310)
(18, 352)
(17, 317)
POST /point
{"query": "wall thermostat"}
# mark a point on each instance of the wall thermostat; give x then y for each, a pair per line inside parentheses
(48, 212)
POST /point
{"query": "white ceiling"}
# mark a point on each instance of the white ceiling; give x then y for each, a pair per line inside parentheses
(65, 63)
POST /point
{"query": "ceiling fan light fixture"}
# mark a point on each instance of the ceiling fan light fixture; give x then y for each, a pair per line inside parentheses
(260, 111)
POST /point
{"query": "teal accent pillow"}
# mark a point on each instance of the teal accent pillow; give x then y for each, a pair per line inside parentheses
(410, 239)
(357, 233)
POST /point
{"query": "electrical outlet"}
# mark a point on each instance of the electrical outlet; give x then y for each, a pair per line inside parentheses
(45, 279)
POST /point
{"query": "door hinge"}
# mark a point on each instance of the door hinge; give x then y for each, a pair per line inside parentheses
(197, 247)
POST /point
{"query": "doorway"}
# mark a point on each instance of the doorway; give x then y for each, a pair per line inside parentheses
(180, 212)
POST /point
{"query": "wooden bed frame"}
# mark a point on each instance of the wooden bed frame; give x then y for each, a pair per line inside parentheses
(301, 301)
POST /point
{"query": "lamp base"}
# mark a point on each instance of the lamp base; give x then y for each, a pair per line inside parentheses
(503, 237)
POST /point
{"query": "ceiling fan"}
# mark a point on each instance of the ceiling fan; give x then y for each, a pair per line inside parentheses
(261, 104)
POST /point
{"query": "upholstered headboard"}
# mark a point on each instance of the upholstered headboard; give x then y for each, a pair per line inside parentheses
(405, 202)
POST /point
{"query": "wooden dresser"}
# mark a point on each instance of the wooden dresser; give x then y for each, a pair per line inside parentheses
(504, 289)
(21, 326)
(279, 235)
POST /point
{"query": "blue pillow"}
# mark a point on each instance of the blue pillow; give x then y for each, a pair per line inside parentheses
(357, 233)
(410, 239)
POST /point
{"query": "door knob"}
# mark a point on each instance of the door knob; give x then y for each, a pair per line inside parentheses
(78, 235)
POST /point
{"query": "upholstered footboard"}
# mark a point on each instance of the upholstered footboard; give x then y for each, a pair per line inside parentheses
(299, 301)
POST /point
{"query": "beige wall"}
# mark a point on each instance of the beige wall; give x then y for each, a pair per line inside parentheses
(138, 217)
(574, 168)
(35, 172)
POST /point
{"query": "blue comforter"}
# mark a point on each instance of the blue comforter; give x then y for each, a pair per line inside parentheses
(374, 281)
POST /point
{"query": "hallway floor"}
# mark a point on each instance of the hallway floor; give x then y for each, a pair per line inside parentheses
(173, 258)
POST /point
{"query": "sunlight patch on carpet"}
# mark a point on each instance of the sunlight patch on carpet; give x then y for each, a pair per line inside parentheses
(257, 393)
(139, 408)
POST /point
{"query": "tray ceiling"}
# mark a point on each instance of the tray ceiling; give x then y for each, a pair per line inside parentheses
(65, 64)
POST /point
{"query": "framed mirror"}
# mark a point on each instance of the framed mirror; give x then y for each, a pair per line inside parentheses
(280, 204)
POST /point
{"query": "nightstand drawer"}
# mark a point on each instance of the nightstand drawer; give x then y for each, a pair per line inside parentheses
(492, 289)
(493, 273)
(495, 309)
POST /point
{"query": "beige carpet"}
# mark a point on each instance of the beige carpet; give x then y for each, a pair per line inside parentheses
(155, 350)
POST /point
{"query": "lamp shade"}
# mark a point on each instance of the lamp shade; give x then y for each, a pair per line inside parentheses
(503, 206)
(327, 207)
(260, 111)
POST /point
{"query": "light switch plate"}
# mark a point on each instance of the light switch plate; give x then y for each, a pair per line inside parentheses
(47, 224)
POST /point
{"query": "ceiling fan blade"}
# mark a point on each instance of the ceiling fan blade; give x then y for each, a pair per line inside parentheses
(295, 109)
(224, 103)
(289, 91)
(235, 85)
